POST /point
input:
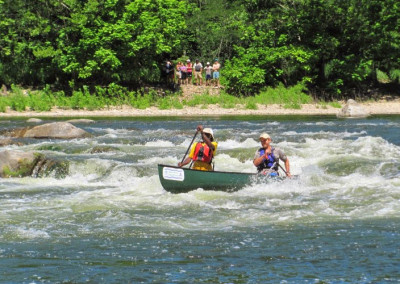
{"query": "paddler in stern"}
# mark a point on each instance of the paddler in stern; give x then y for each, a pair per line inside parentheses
(202, 152)
(266, 159)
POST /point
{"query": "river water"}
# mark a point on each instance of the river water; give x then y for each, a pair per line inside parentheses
(110, 221)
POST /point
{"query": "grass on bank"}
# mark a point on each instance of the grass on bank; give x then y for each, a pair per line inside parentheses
(114, 95)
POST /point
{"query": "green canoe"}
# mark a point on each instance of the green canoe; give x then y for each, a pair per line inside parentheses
(181, 180)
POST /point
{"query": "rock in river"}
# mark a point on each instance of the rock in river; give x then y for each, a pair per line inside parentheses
(352, 109)
(21, 164)
(56, 130)
(34, 120)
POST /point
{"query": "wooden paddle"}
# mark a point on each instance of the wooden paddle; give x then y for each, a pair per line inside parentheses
(187, 151)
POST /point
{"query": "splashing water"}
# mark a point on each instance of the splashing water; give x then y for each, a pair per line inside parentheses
(111, 220)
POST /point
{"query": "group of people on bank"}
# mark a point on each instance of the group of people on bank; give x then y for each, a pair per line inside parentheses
(188, 72)
(266, 158)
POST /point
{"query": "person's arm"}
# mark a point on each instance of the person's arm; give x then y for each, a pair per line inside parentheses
(284, 158)
(185, 162)
(287, 167)
(188, 158)
(208, 141)
(205, 138)
(261, 158)
(258, 161)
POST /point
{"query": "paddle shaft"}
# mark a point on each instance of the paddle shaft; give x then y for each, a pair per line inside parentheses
(271, 168)
(187, 151)
(282, 168)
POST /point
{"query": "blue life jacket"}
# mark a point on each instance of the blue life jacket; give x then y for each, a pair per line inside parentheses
(268, 163)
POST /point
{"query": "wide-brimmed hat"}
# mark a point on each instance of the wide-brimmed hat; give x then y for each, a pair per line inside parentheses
(208, 63)
(265, 136)
(209, 131)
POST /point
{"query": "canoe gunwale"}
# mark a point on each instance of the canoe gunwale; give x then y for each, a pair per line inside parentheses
(217, 172)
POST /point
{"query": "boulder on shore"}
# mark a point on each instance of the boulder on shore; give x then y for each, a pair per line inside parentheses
(56, 130)
(21, 164)
(352, 109)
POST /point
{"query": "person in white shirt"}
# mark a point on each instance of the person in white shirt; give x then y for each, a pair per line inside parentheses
(198, 72)
(208, 69)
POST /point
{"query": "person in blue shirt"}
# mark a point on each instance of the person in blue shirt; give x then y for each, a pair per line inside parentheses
(267, 158)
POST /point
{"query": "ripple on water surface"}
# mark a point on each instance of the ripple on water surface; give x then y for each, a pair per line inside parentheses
(110, 216)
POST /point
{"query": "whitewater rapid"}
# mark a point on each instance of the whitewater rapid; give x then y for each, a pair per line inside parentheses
(346, 170)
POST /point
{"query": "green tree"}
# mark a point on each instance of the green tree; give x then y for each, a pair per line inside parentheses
(268, 55)
(214, 26)
(336, 46)
(87, 42)
(119, 41)
(27, 41)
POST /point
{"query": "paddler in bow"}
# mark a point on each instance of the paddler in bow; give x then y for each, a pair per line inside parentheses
(266, 159)
(202, 153)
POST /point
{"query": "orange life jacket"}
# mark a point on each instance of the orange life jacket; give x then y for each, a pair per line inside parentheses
(203, 153)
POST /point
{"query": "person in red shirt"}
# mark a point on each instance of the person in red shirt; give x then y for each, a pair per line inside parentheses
(189, 66)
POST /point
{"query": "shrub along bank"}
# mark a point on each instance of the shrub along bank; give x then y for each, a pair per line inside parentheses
(115, 95)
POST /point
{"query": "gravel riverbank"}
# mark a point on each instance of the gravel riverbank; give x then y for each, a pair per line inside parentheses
(374, 108)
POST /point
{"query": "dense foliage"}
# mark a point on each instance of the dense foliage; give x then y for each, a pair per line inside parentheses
(336, 48)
